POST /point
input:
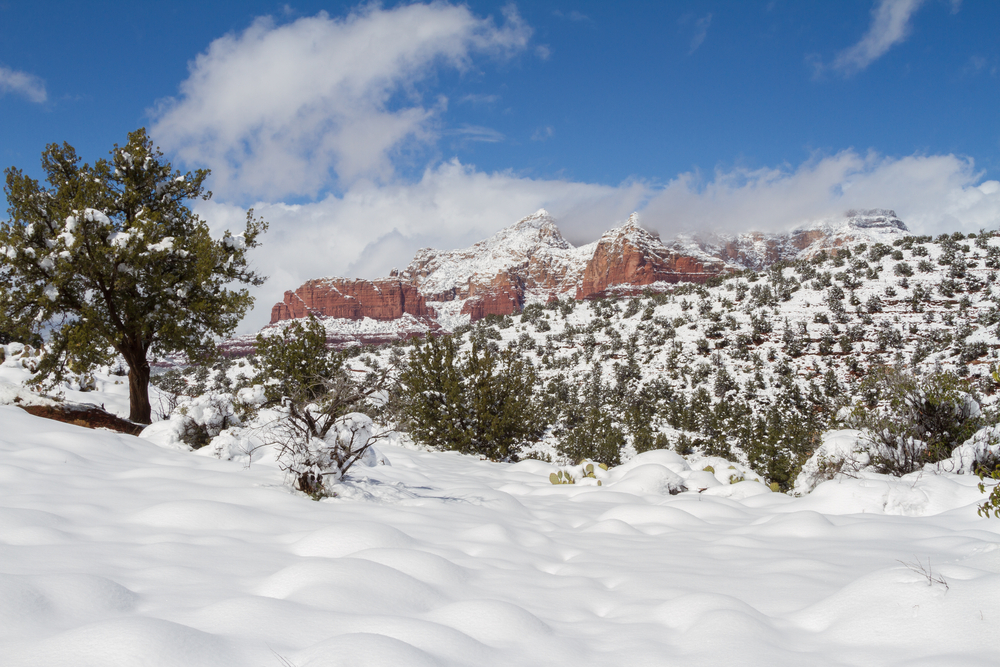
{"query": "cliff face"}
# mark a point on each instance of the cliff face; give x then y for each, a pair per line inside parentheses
(503, 296)
(630, 255)
(530, 261)
(352, 300)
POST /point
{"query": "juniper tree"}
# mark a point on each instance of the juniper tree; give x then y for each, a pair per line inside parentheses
(108, 258)
(296, 362)
(480, 402)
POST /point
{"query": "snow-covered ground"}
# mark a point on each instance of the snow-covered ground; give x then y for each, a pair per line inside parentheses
(114, 551)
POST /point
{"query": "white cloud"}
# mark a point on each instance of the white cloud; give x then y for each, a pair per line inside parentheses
(375, 227)
(700, 32)
(932, 194)
(890, 25)
(22, 83)
(290, 110)
(477, 133)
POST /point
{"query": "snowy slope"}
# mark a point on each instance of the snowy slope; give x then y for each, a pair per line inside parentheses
(533, 246)
(119, 553)
(758, 250)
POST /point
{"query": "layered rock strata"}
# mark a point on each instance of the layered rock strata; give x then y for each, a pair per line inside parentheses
(386, 299)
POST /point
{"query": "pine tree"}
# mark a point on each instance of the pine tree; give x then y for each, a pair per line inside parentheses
(109, 259)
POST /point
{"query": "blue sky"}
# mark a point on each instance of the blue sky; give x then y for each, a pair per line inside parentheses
(367, 131)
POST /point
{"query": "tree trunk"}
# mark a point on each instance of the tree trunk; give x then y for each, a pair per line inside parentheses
(140, 410)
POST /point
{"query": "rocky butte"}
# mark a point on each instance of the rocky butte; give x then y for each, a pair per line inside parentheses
(531, 261)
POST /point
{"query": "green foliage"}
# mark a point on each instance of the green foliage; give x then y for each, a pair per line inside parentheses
(109, 258)
(295, 361)
(917, 420)
(990, 506)
(479, 402)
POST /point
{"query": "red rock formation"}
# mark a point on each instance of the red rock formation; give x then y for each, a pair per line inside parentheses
(629, 255)
(386, 299)
(503, 296)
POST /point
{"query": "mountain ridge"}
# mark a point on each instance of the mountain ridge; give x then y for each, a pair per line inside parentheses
(531, 262)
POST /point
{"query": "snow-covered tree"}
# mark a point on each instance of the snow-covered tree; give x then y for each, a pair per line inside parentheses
(109, 258)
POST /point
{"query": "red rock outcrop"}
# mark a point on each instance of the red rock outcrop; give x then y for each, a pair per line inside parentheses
(531, 261)
(386, 299)
(630, 255)
(503, 296)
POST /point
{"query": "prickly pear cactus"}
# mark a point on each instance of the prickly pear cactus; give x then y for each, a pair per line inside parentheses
(561, 477)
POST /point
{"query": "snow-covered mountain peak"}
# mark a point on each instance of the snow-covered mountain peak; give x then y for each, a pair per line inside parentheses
(532, 238)
(865, 222)
(876, 218)
(525, 237)
(632, 232)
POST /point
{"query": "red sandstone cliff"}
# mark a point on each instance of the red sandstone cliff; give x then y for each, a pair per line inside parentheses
(386, 299)
(630, 255)
(532, 260)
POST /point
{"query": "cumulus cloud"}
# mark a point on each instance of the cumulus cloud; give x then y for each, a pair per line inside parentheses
(890, 25)
(293, 109)
(374, 227)
(22, 83)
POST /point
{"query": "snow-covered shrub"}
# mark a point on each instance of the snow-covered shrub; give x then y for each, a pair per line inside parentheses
(911, 422)
(316, 448)
(195, 421)
(980, 452)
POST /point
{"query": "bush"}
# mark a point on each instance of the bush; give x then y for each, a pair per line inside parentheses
(480, 402)
(316, 448)
(596, 438)
(295, 362)
(920, 421)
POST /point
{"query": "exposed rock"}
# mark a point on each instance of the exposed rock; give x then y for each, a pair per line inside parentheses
(530, 261)
(386, 299)
(630, 255)
(504, 296)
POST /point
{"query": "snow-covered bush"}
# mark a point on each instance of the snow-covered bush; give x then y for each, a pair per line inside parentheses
(917, 421)
(317, 448)
(195, 421)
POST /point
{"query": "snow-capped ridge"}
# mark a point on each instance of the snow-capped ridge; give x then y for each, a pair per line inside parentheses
(531, 261)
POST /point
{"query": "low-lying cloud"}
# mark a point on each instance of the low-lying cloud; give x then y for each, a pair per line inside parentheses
(374, 227)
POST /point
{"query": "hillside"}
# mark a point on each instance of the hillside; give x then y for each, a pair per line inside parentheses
(115, 544)
(755, 365)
